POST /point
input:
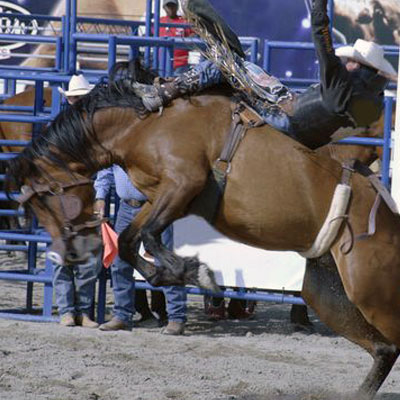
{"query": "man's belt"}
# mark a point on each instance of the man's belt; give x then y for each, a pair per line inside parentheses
(135, 203)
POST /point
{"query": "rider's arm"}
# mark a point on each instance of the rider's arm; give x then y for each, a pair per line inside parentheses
(329, 63)
(335, 79)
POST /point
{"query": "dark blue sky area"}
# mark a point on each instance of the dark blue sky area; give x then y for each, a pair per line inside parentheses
(273, 20)
(266, 19)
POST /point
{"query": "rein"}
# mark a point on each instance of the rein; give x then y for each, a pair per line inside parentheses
(70, 204)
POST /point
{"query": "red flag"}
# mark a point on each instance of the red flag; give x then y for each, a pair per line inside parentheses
(110, 241)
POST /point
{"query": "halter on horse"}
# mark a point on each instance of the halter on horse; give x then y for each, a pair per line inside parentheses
(277, 196)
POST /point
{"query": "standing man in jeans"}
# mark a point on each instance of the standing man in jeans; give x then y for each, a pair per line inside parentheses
(121, 272)
(74, 285)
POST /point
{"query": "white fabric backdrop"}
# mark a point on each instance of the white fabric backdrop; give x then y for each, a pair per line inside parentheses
(236, 264)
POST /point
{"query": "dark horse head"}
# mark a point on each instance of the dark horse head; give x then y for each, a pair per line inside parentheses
(53, 173)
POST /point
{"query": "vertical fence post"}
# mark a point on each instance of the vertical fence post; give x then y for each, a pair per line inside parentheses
(55, 101)
(169, 70)
(149, 13)
(267, 56)
(66, 31)
(112, 52)
(59, 54)
(387, 138)
(396, 150)
(162, 66)
(254, 51)
(156, 33)
(10, 87)
(73, 45)
(101, 296)
(48, 290)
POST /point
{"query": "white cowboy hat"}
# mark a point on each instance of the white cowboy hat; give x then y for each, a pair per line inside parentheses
(77, 86)
(370, 54)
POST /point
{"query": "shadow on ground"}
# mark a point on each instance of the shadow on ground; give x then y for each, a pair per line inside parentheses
(268, 319)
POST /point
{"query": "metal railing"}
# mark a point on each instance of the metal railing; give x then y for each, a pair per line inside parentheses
(158, 52)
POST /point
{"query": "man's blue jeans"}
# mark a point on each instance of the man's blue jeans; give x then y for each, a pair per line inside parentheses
(124, 283)
(74, 287)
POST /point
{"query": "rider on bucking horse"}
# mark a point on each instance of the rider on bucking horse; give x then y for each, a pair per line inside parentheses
(350, 92)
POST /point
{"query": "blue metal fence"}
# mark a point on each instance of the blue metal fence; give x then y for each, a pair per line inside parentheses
(158, 53)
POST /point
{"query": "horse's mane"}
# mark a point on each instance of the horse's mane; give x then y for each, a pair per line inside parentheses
(71, 135)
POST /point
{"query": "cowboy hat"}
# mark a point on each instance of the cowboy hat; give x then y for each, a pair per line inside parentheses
(370, 54)
(77, 86)
(165, 2)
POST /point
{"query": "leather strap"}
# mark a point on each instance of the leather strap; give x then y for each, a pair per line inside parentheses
(371, 220)
(377, 185)
(207, 204)
(382, 194)
(348, 170)
(53, 188)
(236, 134)
(249, 116)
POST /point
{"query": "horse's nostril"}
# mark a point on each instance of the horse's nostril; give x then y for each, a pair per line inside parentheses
(72, 257)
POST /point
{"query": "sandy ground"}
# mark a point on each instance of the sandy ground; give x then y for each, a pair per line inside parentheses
(264, 358)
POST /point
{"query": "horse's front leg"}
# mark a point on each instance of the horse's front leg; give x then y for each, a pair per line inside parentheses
(172, 269)
(129, 243)
(172, 202)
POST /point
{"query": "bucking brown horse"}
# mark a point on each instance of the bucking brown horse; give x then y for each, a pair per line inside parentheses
(277, 197)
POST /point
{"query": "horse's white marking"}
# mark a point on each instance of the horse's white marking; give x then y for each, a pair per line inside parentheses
(332, 224)
(205, 276)
(55, 258)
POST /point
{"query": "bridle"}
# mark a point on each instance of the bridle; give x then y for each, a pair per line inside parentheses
(70, 204)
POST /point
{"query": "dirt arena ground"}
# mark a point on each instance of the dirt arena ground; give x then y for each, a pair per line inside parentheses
(262, 359)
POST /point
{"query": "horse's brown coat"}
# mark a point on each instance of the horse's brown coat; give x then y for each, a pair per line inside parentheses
(277, 197)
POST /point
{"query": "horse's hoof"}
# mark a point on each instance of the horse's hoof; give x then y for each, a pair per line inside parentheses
(206, 279)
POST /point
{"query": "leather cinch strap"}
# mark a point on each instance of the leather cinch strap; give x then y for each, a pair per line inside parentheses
(207, 204)
(243, 118)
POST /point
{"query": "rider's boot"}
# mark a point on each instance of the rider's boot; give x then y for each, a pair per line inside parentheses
(161, 94)
(272, 114)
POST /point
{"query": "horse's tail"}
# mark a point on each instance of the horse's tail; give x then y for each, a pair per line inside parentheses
(133, 70)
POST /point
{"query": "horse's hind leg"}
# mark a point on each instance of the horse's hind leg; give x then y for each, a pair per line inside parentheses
(324, 292)
(384, 358)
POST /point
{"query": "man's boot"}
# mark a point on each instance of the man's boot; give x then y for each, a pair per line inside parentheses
(174, 328)
(116, 324)
(161, 94)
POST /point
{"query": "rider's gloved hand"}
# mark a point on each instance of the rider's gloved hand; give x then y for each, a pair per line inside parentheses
(320, 5)
(319, 14)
